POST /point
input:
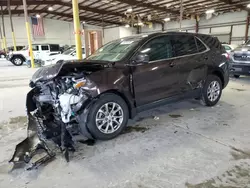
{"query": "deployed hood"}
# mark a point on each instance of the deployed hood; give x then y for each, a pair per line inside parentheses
(60, 69)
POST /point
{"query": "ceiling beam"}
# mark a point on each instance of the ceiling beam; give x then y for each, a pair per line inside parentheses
(149, 6)
(29, 2)
(229, 2)
(99, 11)
(62, 15)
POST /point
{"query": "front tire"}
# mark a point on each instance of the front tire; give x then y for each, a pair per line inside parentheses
(108, 117)
(17, 61)
(212, 90)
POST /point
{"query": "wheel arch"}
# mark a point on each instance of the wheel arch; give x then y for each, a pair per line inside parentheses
(220, 75)
(18, 55)
(131, 108)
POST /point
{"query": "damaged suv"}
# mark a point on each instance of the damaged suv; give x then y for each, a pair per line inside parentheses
(94, 98)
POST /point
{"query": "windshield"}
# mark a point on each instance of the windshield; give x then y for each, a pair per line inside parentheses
(69, 51)
(115, 51)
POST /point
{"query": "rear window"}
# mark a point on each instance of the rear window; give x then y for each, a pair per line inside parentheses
(211, 42)
(184, 45)
(227, 48)
(54, 47)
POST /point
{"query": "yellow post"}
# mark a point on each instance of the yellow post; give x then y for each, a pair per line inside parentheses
(12, 28)
(28, 33)
(1, 35)
(14, 40)
(78, 40)
(4, 35)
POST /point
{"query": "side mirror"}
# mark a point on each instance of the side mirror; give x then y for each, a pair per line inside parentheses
(142, 58)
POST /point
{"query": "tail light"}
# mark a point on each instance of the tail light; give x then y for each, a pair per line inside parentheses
(227, 56)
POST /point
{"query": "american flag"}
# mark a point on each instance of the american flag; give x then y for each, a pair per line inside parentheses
(37, 27)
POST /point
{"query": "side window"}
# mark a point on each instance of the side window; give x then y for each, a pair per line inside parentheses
(35, 47)
(54, 48)
(184, 45)
(158, 48)
(200, 45)
(45, 48)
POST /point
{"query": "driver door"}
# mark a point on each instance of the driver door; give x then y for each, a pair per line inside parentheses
(157, 79)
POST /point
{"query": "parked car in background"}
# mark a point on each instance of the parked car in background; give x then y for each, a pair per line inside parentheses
(69, 54)
(40, 51)
(229, 47)
(240, 60)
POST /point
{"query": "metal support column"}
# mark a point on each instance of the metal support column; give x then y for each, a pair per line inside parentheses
(197, 24)
(231, 33)
(12, 28)
(181, 13)
(163, 26)
(28, 33)
(78, 40)
(4, 35)
(247, 27)
(1, 36)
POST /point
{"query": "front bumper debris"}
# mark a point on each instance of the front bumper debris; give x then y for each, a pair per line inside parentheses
(30, 147)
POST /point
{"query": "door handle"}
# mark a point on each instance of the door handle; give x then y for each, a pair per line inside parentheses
(172, 64)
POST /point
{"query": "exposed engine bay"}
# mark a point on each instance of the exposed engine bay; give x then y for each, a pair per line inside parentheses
(57, 109)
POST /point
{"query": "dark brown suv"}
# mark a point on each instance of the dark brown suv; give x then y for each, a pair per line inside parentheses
(96, 97)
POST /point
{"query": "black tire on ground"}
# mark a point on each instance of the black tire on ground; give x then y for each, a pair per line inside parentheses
(205, 96)
(236, 76)
(91, 120)
(17, 61)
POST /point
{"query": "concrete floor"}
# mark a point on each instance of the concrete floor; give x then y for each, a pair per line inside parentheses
(186, 145)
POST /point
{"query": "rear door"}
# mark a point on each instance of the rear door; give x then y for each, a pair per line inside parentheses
(191, 58)
(157, 79)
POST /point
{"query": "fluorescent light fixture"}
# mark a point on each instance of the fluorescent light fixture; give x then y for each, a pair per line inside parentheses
(210, 11)
(83, 22)
(127, 25)
(50, 9)
(130, 10)
(167, 19)
(248, 6)
(38, 16)
(140, 23)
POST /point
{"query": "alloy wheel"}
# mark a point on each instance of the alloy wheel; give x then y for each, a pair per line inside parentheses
(213, 91)
(17, 61)
(109, 118)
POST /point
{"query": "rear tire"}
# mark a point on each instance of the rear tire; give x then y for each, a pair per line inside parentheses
(212, 90)
(108, 117)
(236, 76)
(17, 61)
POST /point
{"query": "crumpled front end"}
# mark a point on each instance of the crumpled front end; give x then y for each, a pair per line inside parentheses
(57, 112)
